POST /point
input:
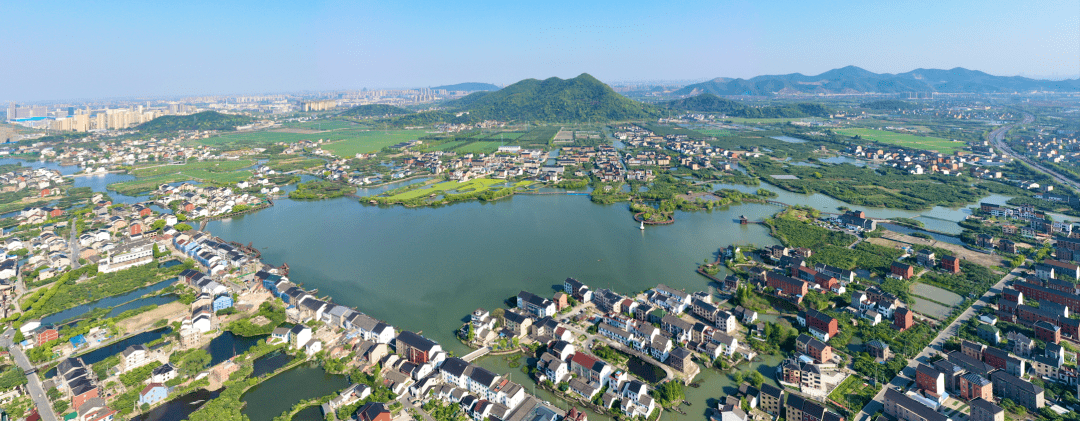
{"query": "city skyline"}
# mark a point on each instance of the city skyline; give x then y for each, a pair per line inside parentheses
(211, 49)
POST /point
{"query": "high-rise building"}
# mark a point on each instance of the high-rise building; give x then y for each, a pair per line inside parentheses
(11, 111)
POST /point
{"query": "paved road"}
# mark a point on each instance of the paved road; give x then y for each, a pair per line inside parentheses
(907, 375)
(37, 392)
(74, 245)
(407, 402)
(997, 137)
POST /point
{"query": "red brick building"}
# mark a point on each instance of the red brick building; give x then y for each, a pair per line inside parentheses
(975, 386)
(930, 380)
(51, 335)
(903, 319)
(1047, 332)
(821, 322)
(950, 264)
(902, 270)
(786, 284)
(1038, 292)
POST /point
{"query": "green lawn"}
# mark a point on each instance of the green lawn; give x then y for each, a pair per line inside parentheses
(854, 393)
(928, 143)
(449, 186)
(370, 141)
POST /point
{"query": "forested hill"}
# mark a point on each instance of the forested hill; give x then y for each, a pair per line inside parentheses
(580, 99)
(374, 110)
(206, 120)
(469, 87)
(854, 80)
(709, 103)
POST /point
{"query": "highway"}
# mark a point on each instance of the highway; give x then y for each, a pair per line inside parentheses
(997, 137)
(37, 392)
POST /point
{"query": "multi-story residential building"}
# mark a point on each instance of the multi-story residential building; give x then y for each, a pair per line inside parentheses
(1018, 390)
(905, 408)
(986, 410)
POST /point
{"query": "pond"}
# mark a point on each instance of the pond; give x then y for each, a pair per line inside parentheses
(279, 393)
(940, 237)
(845, 160)
(269, 363)
(106, 302)
(311, 413)
(170, 263)
(180, 407)
(789, 139)
(112, 349)
(227, 345)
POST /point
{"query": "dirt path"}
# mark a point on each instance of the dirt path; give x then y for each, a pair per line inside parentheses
(892, 239)
(171, 311)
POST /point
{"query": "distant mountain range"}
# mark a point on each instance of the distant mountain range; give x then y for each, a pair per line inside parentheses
(710, 103)
(469, 87)
(855, 80)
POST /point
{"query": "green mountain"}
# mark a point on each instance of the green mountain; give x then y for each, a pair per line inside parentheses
(469, 86)
(709, 103)
(206, 120)
(580, 99)
(374, 110)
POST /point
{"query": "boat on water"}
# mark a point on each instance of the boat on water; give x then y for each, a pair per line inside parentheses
(643, 225)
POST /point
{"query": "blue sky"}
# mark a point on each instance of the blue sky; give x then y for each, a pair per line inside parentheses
(85, 50)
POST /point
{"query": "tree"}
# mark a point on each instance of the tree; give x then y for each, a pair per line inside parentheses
(756, 378)
(158, 225)
(183, 227)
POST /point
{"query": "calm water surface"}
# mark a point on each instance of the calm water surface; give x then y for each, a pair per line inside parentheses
(425, 269)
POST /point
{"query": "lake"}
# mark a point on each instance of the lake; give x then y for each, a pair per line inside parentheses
(401, 264)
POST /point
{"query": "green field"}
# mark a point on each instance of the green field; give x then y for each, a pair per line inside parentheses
(322, 125)
(927, 143)
(143, 185)
(716, 132)
(370, 141)
(479, 184)
(268, 137)
(217, 177)
(446, 146)
(292, 164)
(479, 147)
(744, 120)
(212, 166)
(508, 136)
